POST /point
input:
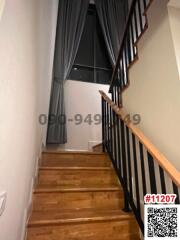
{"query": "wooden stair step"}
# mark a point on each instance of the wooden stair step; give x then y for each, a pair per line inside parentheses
(88, 199)
(76, 177)
(75, 160)
(53, 217)
(78, 196)
(102, 230)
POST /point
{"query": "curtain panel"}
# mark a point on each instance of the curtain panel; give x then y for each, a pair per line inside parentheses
(70, 25)
(112, 16)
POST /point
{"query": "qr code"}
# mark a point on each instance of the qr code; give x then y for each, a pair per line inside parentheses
(162, 222)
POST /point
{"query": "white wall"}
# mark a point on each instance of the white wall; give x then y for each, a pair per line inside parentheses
(47, 31)
(20, 133)
(174, 3)
(154, 90)
(82, 98)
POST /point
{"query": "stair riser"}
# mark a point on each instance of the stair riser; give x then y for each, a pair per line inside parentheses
(76, 178)
(114, 230)
(100, 200)
(78, 160)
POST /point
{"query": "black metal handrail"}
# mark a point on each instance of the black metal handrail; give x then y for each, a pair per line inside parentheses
(135, 26)
(137, 162)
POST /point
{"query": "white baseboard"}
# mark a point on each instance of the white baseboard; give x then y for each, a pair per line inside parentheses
(24, 231)
(36, 167)
(31, 193)
(28, 210)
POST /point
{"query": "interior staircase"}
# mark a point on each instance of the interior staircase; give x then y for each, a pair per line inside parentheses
(77, 197)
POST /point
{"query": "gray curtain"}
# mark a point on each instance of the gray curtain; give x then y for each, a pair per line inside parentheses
(112, 16)
(70, 24)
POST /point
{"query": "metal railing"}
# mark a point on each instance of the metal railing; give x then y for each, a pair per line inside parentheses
(135, 26)
(140, 167)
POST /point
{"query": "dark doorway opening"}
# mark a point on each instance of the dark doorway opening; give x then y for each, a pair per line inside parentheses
(92, 62)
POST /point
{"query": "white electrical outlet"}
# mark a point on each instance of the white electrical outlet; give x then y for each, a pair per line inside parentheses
(3, 196)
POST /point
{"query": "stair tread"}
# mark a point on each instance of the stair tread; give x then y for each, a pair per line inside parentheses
(77, 189)
(55, 151)
(76, 215)
(51, 168)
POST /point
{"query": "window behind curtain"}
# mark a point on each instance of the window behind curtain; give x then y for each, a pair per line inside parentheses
(92, 62)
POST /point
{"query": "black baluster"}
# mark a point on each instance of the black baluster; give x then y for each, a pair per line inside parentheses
(119, 144)
(142, 168)
(129, 43)
(111, 132)
(117, 87)
(144, 2)
(119, 76)
(136, 176)
(175, 189)
(124, 69)
(112, 93)
(118, 96)
(140, 16)
(152, 174)
(162, 179)
(115, 142)
(133, 41)
(115, 94)
(108, 129)
(126, 52)
(126, 63)
(103, 125)
(109, 143)
(129, 163)
(124, 166)
(122, 72)
(135, 24)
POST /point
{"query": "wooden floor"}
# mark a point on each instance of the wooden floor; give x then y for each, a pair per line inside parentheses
(78, 197)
